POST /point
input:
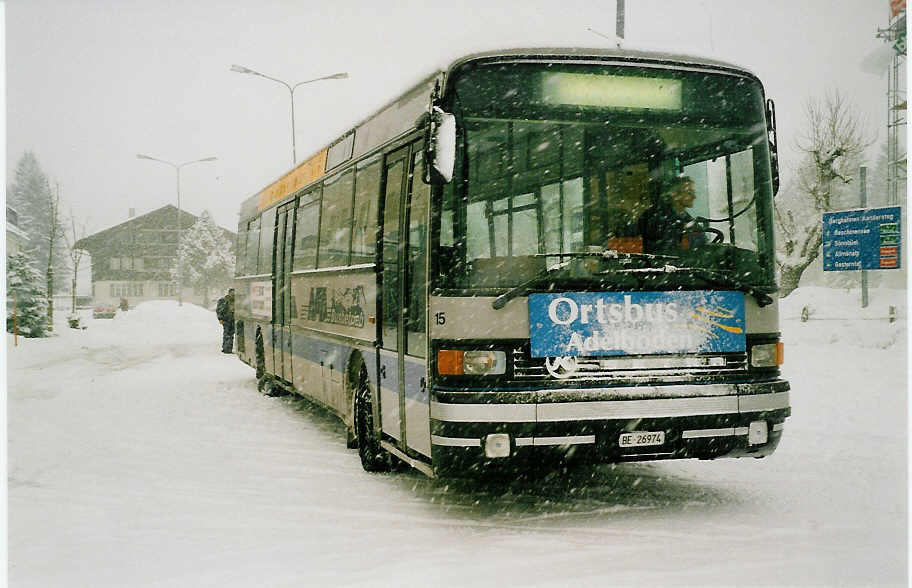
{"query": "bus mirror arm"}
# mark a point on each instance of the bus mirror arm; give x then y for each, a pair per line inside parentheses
(773, 143)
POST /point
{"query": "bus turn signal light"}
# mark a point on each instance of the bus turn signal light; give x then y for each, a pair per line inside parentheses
(767, 354)
(456, 362)
(450, 362)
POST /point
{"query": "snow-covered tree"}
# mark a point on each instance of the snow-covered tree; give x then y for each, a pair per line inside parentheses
(205, 257)
(30, 194)
(28, 305)
(832, 147)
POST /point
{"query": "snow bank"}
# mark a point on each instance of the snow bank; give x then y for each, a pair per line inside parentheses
(836, 315)
(152, 321)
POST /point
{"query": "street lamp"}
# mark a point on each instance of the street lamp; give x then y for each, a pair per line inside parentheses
(177, 167)
(291, 89)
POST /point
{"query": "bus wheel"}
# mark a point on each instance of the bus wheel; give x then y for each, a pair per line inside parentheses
(373, 458)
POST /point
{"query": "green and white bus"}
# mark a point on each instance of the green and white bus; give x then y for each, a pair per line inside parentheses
(472, 275)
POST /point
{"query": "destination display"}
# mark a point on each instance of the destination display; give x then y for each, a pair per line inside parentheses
(636, 323)
(867, 239)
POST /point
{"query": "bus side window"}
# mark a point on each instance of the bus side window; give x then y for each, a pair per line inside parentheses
(267, 239)
(306, 229)
(416, 287)
(390, 319)
(253, 244)
(364, 223)
(336, 217)
(241, 251)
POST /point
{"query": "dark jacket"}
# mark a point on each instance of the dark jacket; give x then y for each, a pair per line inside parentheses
(665, 229)
(224, 309)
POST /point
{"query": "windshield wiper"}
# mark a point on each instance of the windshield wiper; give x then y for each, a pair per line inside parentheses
(612, 254)
(714, 277)
(523, 288)
(502, 300)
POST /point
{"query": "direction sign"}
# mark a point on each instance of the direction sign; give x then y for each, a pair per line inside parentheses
(863, 239)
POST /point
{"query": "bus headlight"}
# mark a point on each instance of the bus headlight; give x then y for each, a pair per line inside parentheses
(457, 362)
(767, 355)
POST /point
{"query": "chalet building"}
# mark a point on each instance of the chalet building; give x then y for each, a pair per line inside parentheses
(133, 260)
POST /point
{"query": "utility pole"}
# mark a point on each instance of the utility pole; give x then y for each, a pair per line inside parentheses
(863, 194)
(619, 26)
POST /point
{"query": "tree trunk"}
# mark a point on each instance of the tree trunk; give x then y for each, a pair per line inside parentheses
(790, 275)
(50, 292)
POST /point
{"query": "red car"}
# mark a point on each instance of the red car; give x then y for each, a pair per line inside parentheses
(104, 311)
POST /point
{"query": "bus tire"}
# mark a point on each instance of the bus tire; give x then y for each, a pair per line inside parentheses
(373, 457)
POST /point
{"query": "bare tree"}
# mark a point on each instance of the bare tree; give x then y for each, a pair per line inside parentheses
(54, 231)
(833, 143)
(75, 253)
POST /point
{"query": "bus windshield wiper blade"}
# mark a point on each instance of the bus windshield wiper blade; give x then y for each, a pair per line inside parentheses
(714, 277)
(502, 300)
(609, 254)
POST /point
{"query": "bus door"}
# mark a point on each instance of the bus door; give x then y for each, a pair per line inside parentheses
(395, 184)
(416, 398)
(404, 405)
(287, 301)
(281, 335)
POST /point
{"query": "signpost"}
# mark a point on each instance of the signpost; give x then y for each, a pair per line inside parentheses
(864, 239)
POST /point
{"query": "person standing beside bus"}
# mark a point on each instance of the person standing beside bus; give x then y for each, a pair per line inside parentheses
(224, 311)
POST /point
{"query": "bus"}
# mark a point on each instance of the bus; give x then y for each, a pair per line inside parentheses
(466, 278)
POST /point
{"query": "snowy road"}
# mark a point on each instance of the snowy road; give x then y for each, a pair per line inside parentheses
(134, 461)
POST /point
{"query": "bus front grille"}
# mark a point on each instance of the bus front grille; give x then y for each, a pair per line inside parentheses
(638, 368)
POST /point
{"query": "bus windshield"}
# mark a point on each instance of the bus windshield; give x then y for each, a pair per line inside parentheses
(557, 161)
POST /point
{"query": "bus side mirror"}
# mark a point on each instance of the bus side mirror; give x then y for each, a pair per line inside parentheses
(441, 145)
(773, 143)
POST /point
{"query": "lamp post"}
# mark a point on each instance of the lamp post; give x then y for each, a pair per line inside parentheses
(177, 167)
(291, 90)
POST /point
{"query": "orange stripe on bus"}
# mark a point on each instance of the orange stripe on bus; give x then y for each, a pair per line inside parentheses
(305, 173)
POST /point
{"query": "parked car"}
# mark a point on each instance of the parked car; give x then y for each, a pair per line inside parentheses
(104, 311)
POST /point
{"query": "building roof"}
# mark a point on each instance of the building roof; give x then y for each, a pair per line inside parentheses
(99, 237)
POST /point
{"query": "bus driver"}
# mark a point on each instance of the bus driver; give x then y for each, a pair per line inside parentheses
(667, 225)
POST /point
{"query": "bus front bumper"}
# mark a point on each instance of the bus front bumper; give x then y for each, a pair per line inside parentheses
(685, 421)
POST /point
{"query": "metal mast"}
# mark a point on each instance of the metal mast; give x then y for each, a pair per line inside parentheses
(895, 34)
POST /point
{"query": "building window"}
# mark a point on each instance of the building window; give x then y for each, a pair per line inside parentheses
(115, 263)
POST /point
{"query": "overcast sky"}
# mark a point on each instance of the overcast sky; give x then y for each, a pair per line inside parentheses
(91, 83)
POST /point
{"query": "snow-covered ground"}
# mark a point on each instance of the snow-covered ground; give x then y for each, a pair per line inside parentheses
(139, 455)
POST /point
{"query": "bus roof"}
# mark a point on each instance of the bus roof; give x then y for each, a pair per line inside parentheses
(601, 54)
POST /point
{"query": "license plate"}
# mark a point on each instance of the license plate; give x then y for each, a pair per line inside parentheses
(641, 438)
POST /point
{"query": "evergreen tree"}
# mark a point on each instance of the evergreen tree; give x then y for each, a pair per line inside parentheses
(205, 257)
(30, 194)
(24, 286)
